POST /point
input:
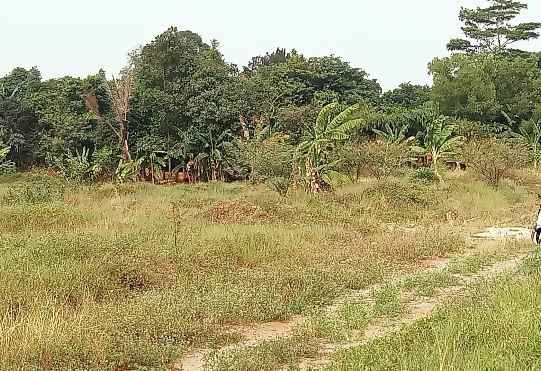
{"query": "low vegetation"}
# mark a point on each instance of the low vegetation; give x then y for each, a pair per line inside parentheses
(139, 274)
(496, 318)
(156, 215)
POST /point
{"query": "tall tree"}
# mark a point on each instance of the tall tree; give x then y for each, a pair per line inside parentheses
(280, 55)
(490, 29)
(19, 123)
(183, 88)
(407, 95)
(480, 86)
(277, 89)
(121, 92)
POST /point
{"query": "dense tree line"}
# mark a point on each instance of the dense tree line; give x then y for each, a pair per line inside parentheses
(184, 102)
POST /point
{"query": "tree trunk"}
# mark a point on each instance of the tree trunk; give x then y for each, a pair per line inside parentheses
(124, 142)
(152, 171)
(313, 179)
(435, 168)
(295, 176)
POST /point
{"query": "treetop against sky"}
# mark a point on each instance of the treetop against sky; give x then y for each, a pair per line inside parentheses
(391, 40)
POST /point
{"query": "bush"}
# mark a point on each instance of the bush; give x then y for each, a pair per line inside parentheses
(425, 175)
(82, 166)
(279, 184)
(271, 162)
(401, 195)
(381, 159)
(7, 167)
(493, 159)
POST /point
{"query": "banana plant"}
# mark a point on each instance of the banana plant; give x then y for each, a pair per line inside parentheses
(392, 133)
(128, 170)
(529, 133)
(333, 125)
(6, 166)
(438, 142)
(214, 154)
(3, 153)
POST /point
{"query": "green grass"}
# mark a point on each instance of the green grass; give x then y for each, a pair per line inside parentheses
(323, 326)
(427, 284)
(495, 328)
(471, 264)
(356, 316)
(268, 355)
(318, 326)
(387, 301)
(95, 277)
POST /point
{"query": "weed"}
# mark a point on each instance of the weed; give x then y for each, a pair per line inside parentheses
(387, 301)
(471, 264)
(355, 315)
(99, 277)
(495, 327)
(426, 284)
(268, 355)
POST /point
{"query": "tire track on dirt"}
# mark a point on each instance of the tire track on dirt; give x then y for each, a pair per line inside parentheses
(414, 310)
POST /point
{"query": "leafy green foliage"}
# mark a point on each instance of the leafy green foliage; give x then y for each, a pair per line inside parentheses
(6, 167)
(84, 166)
(489, 29)
(480, 86)
(127, 171)
(189, 103)
(333, 125)
(529, 133)
(271, 162)
(393, 133)
(407, 95)
(425, 175)
(438, 141)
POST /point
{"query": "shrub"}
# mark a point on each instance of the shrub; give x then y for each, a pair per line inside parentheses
(381, 159)
(401, 194)
(278, 184)
(425, 175)
(271, 162)
(103, 163)
(6, 167)
(83, 166)
(493, 159)
(75, 167)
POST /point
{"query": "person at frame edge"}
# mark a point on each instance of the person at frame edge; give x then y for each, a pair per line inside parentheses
(538, 223)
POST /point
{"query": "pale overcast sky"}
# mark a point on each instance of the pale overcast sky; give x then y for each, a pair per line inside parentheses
(393, 40)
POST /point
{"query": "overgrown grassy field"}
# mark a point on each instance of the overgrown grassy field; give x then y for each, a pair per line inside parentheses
(497, 327)
(135, 276)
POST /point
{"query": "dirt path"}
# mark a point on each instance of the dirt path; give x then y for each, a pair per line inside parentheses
(414, 310)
